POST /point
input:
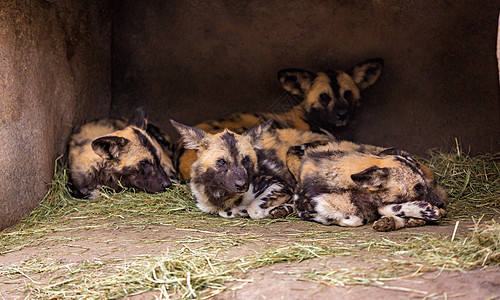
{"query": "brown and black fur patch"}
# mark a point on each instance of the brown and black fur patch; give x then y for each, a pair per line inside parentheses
(116, 154)
(243, 174)
(329, 100)
(349, 185)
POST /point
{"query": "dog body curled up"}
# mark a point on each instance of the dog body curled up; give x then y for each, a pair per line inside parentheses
(238, 175)
(349, 185)
(117, 154)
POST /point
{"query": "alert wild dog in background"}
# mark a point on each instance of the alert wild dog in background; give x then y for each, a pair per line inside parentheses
(329, 99)
(112, 153)
(347, 184)
(238, 175)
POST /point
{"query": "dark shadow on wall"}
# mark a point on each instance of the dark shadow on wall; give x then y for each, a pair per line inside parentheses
(195, 60)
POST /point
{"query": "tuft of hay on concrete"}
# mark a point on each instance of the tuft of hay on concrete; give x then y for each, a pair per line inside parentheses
(472, 182)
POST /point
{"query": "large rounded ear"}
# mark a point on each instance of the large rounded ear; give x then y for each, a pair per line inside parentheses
(192, 137)
(140, 118)
(367, 72)
(296, 81)
(256, 134)
(373, 177)
(110, 147)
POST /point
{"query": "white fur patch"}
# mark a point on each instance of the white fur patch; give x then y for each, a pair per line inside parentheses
(254, 209)
(241, 209)
(234, 212)
(411, 210)
(94, 194)
(271, 165)
(202, 202)
(327, 214)
(352, 221)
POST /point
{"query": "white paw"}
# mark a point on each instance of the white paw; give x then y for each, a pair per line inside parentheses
(351, 221)
(256, 212)
(234, 212)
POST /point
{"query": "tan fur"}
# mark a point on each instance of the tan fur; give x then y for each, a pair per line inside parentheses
(308, 85)
(347, 184)
(255, 160)
(111, 152)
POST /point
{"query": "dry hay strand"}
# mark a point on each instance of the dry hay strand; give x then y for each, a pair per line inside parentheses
(201, 273)
(417, 255)
(472, 182)
(184, 274)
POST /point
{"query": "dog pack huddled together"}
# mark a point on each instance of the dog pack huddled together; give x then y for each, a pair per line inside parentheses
(267, 165)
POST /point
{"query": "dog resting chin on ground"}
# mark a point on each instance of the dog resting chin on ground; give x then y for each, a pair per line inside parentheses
(116, 154)
(239, 175)
(349, 185)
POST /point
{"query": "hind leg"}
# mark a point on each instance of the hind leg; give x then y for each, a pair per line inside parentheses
(391, 223)
(283, 210)
(272, 199)
(414, 209)
(409, 214)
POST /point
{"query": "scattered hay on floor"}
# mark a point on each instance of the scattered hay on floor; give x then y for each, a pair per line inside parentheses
(473, 185)
(420, 254)
(192, 273)
(472, 182)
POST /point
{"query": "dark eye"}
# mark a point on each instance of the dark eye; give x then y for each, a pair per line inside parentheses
(419, 188)
(245, 159)
(145, 166)
(221, 162)
(145, 162)
(348, 95)
(324, 99)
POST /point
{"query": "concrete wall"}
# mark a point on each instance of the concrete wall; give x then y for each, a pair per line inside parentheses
(194, 60)
(55, 71)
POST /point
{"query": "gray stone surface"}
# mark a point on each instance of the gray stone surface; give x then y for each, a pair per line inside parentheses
(54, 72)
(194, 60)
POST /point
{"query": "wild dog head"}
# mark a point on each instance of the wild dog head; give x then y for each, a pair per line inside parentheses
(399, 179)
(429, 191)
(133, 158)
(128, 157)
(330, 97)
(226, 164)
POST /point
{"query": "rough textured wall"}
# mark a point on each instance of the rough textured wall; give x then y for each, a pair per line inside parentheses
(193, 60)
(55, 70)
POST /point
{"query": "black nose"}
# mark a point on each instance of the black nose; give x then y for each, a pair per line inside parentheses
(342, 116)
(435, 200)
(440, 204)
(240, 185)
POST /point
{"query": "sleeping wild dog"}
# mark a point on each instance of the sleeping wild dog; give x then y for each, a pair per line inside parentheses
(112, 153)
(238, 175)
(329, 99)
(349, 185)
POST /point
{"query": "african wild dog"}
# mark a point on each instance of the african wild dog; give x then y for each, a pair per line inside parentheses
(346, 184)
(239, 175)
(163, 140)
(112, 153)
(328, 102)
